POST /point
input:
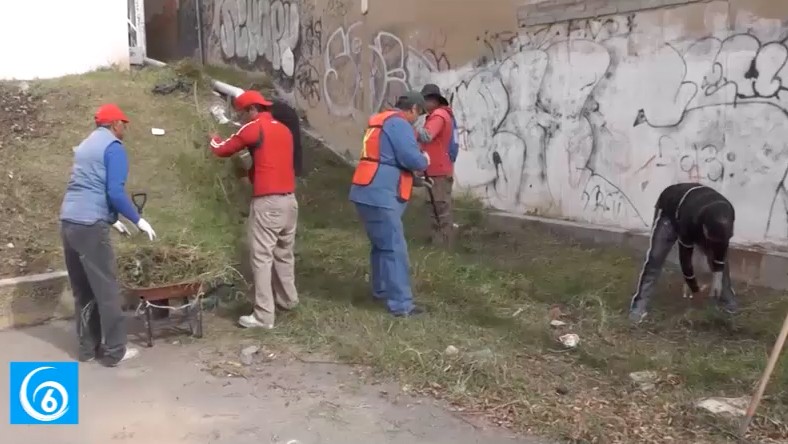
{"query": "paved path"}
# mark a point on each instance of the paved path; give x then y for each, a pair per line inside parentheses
(181, 393)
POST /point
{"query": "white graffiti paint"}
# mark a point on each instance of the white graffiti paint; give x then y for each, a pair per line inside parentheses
(252, 29)
(387, 75)
(342, 78)
(587, 120)
(576, 124)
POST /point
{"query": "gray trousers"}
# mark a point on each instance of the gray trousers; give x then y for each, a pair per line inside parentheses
(90, 262)
(663, 237)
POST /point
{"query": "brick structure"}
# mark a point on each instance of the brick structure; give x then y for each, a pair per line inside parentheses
(540, 12)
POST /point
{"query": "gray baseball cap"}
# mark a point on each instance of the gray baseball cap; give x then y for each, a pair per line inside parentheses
(411, 99)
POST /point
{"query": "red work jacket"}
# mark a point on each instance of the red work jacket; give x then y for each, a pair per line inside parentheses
(271, 145)
(439, 127)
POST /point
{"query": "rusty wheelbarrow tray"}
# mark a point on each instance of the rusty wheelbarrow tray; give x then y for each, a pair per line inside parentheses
(151, 298)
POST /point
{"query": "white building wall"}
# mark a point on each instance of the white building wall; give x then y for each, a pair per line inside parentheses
(53, 38)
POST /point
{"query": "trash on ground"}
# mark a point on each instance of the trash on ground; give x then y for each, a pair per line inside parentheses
(157, 131)
(556, 323)
(570, 340)
(166, 88)
(725, 406)
(451, 351)
(247, 354)
(646, 380)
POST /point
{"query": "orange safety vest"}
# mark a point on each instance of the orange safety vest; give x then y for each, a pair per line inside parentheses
(369, 162)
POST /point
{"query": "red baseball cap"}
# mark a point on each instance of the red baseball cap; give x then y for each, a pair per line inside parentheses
(109, 113)
(249, 98)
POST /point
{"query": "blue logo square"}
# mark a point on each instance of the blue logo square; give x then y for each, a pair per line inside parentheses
(44, 392)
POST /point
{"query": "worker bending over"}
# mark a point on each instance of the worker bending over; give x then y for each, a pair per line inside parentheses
(437, 139)
(692, 214)
(273, 212)
(382, 186)
(94, 196)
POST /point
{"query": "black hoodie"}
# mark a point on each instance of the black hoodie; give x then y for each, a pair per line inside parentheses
(690, 207)
(285, 113)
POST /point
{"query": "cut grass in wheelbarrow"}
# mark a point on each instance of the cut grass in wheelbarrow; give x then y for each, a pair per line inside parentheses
(155, 275)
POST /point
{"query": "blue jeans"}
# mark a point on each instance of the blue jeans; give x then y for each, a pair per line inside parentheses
(390, 273)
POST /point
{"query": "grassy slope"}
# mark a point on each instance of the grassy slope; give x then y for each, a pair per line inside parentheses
(186, 202)
(491, 298)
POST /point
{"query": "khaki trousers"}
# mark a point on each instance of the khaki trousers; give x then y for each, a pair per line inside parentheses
(272, 229)
(443, 226)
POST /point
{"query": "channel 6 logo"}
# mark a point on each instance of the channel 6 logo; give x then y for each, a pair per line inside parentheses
(44, 393)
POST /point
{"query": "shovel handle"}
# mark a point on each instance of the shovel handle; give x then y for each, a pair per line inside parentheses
(139, 199)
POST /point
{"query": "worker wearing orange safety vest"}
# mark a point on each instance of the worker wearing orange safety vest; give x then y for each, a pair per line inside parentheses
(382, 186)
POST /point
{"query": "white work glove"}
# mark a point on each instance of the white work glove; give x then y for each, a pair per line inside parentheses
(716, 285)
(122, 228)
(145, 227)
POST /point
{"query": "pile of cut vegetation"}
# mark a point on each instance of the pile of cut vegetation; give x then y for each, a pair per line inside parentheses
(158, 265)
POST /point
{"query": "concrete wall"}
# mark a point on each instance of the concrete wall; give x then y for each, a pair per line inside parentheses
(52, 38)
(586, 119)
(31, 300)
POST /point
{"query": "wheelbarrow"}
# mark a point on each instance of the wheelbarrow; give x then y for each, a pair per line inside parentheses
(159, 299)
(162, 298)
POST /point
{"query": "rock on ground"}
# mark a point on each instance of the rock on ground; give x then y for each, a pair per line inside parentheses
(725, 406)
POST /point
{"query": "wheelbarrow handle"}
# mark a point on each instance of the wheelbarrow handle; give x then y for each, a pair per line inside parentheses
(139, 199)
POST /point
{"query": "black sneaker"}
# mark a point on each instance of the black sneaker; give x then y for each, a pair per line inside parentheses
(415, 311)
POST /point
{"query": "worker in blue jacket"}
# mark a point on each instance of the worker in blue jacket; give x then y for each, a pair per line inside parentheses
(382, 186)
(94, 197)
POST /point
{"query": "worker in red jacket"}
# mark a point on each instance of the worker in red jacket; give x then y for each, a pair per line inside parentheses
(273, 212)
(436, 138)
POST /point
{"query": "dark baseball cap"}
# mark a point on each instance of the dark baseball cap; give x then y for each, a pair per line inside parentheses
(432, 90)
(410, 99)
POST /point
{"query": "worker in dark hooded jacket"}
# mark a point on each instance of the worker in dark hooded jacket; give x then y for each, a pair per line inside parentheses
(437, 138)
(694, 215)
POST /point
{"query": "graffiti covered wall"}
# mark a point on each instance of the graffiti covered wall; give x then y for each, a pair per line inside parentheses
(585, 119)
